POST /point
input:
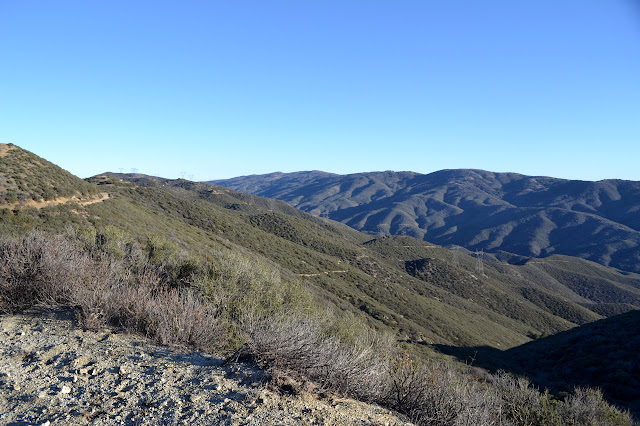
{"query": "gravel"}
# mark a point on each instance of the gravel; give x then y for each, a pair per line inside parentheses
(54, 373)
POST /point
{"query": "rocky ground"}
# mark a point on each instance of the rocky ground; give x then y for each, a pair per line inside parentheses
(54, 373)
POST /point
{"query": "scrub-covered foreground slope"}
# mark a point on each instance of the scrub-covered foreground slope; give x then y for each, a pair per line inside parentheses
(505, 213)
(82, 377)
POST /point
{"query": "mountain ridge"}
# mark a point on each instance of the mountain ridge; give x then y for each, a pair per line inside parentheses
(533, 216)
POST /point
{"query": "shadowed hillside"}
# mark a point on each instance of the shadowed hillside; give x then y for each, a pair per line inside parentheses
(604, 354)
(504, 213)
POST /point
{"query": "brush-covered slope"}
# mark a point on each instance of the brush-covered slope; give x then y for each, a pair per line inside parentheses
(384, 278)
(27, 180)
(425, 293)
(505, 213)
(603, 354)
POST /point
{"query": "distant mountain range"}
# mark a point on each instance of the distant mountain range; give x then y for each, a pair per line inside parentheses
(421, 291)
(508, 214)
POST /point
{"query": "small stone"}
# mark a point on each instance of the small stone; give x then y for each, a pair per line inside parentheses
(42, 394)
(195, 397)
(47, 423)
(65, 389)
(83, 371)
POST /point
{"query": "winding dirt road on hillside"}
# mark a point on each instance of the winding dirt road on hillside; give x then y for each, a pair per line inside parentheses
(62, 200)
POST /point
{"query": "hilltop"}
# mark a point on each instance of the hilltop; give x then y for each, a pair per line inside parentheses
(508, 214)
(27, 180)
(256, 256)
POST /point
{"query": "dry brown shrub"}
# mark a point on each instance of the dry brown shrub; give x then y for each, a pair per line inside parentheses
(436, 394)
(299, 345)
(40, 270)
(51, 271)
(586, 406)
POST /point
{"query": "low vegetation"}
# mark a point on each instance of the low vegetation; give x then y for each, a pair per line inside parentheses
(27, 178)
(242, 305)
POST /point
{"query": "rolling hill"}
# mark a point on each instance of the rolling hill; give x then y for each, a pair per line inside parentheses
(429, 296)
(508, 214)
(425, 293)
(27, 180)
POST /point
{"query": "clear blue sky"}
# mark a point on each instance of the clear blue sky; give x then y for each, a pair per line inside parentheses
(215, 89)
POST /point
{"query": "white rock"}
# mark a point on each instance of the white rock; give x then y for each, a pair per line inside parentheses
(65, 389)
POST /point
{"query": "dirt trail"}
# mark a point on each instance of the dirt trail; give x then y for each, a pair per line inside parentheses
(103, 196)
(319, 273)
(62, 200)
